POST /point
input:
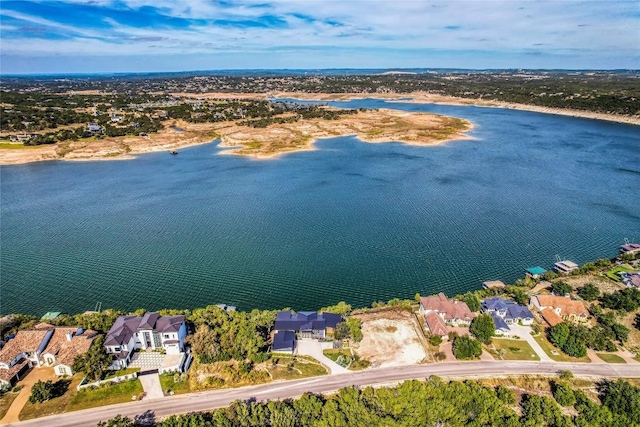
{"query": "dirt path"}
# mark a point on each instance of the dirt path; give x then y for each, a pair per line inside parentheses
(13, 414)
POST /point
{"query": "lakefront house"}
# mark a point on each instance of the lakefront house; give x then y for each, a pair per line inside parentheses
(450, 311)
(555, 309)
(290, 326)
(149, 332)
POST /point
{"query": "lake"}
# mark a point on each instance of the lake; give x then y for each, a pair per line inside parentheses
(350, 221)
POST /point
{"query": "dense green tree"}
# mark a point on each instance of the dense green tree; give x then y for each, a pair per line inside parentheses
(561, 288)
(483, 328)
(622, 398)
(120, 421)
(41, 391)
(355, 328)
(626, 299)
(589, 292)
(94, 362)
(563, 393)
(472, 300)
(465, 347)
(506, 395)
(559, 334)
(341, 308)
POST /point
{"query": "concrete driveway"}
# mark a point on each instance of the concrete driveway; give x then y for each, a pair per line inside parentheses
(314, 349)
(151, 385)
(524, 332)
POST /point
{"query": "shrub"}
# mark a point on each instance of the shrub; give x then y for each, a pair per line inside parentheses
(506, 395)
(563, 394)
(465, 347)
(435, 340)
(41, 391)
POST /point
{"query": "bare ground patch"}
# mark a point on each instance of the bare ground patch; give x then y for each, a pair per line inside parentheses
(390, 339)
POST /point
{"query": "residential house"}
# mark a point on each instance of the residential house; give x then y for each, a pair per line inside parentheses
(149, 332)
(631, 278)
(565, 267)
(305, 324)
(509, 311)
(23, 352)
(65, 345)
(94, 128)
(450, 310)
(564, 307)
(535, 272)
(436, 325)
(501, 326)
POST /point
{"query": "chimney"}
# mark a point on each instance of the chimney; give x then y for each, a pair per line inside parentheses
(69, 336)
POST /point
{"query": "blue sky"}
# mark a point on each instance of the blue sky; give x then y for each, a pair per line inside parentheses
(85, 36)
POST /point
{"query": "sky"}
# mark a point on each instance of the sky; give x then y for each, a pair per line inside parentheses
(105, 36)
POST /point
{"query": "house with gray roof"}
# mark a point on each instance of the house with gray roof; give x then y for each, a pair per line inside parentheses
(149, 332)
(304, 324)
(509, 311)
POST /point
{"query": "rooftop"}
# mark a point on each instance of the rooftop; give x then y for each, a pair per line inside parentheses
(537, 270)
(567, 305)
(451, 309)
(550, 316)
(436, 324)
(27, 341)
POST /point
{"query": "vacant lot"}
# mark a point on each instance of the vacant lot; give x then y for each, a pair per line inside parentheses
(390, 339)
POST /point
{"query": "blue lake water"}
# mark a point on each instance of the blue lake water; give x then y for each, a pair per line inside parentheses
(350, 221)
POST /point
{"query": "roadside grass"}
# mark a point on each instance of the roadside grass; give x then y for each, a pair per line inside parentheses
(560, 357)
(290, 368)
(611, 358)
(357, 364)
(5, 402)
(510, 349)
(106, 395)
(169, 384)
(57, 405)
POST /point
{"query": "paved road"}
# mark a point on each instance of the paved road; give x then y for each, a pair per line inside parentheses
(288, 389)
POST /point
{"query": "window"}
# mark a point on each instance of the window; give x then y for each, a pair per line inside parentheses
(116, 349)
(166, 336)
(63, 370)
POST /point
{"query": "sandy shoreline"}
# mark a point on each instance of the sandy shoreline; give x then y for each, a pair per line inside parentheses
(299, 136)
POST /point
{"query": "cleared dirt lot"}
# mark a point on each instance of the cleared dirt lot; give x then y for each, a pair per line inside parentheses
(390, 339)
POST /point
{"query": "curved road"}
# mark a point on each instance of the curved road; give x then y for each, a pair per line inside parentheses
(208, 400)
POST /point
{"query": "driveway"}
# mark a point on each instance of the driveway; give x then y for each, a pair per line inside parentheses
(151, 385)
(147, 360)
(314, 349)
(524, 332)
(27, 382)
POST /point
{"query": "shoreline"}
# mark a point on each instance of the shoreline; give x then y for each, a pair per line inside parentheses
(372, 126)
(15, 156)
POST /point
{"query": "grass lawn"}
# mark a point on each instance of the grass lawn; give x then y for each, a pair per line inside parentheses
(302, 367)
(611, 358)
(612, 274)
(57, 405)
(11, 145)
(168, 384)
(560, 357)
(5, 402)
(120, 372)
(109, 395)
(512, 349)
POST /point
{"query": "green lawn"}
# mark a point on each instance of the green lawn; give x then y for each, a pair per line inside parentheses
(169, 384)
(11, 145)
(612, 274)
(108, 395)
(120, 372)
(57, 405)
(5, 402)
(611, 358)
(302, 367)
(560, 356)
(510, 349)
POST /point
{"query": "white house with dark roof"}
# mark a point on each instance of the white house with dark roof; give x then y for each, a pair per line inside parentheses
(149, 332)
